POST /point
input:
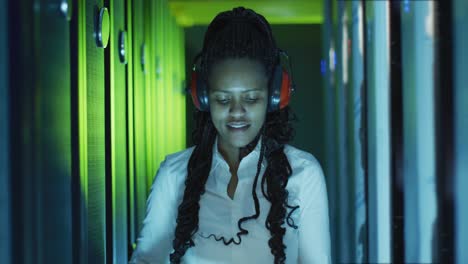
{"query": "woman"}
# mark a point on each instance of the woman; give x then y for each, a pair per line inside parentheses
(241, 194)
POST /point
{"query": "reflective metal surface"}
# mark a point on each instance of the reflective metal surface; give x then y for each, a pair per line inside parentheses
(102, 28)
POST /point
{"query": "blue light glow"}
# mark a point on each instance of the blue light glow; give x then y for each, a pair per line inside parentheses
(406, 6)
(334, 60)
(323, 66)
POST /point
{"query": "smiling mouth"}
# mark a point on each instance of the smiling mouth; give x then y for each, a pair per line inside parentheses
(236, 126)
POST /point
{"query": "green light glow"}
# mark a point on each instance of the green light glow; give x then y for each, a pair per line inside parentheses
(82, 100)
(130, 124)
(155, 103)
(163, 98)
(201, 12)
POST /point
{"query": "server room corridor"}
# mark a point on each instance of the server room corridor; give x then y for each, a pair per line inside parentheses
(94, 96)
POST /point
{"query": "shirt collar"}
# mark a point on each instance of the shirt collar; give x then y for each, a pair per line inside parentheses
(250, 160)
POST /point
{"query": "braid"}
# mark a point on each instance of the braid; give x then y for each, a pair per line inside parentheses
(198, 170)
(239, 33)
(278, 131)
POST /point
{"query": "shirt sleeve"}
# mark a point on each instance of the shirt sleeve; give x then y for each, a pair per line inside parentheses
(154, 243)
(314, 233)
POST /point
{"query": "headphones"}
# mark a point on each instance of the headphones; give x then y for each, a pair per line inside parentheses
(279, 91)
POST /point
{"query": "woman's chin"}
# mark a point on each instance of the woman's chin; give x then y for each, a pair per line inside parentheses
(238, 142)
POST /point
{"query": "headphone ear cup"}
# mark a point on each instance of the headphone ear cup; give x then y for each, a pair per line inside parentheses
(280, 89)
(286, 89)
(199, 92)
(275, 89)
(193, 90)
(202, 91)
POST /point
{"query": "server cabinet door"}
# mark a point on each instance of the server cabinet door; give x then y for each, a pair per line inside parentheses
(40, 121)
(460, 11)
(131, 204)
(357, 141)
(5, 201)
(96, 38)
(140, 70)
(344, 194)
(53, 120)
(377, 81)
(116, 135)
(327, 69)
(419, 166)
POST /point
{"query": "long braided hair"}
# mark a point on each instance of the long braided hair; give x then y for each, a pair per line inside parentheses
(240, 33)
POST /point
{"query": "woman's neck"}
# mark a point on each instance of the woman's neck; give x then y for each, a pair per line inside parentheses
(231, 156)
(234, 155)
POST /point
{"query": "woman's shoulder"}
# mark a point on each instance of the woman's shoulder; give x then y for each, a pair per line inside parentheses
(306, 169)
(307, 182)
(300, 157)
(172, 170)
(178, 159)
(174, 167)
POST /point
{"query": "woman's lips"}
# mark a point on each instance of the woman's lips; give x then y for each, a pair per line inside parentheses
(238, 126)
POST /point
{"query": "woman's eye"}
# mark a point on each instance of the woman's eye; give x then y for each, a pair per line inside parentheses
(251, 99)
(222, 101)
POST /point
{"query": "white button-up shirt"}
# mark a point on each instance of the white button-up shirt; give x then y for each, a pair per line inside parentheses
(219, 214)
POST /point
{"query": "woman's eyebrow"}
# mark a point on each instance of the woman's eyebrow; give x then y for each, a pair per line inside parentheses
(225, 91)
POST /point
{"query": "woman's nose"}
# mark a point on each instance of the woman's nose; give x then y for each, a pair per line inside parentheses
(237, 108)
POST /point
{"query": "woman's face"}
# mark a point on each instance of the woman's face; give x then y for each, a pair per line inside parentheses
(238, 100)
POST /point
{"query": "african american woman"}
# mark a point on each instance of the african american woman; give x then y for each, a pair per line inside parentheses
(241, 194)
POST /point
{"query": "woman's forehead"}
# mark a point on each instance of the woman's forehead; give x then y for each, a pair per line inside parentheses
(244, 73)
(237, 90)
(233, 63)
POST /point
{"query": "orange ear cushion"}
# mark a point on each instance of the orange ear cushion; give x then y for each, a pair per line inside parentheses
(193, 90)
(285, 94)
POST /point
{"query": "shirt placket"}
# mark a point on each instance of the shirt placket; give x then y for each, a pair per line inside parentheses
(234, 219)
(238, 211)
(233, 231)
